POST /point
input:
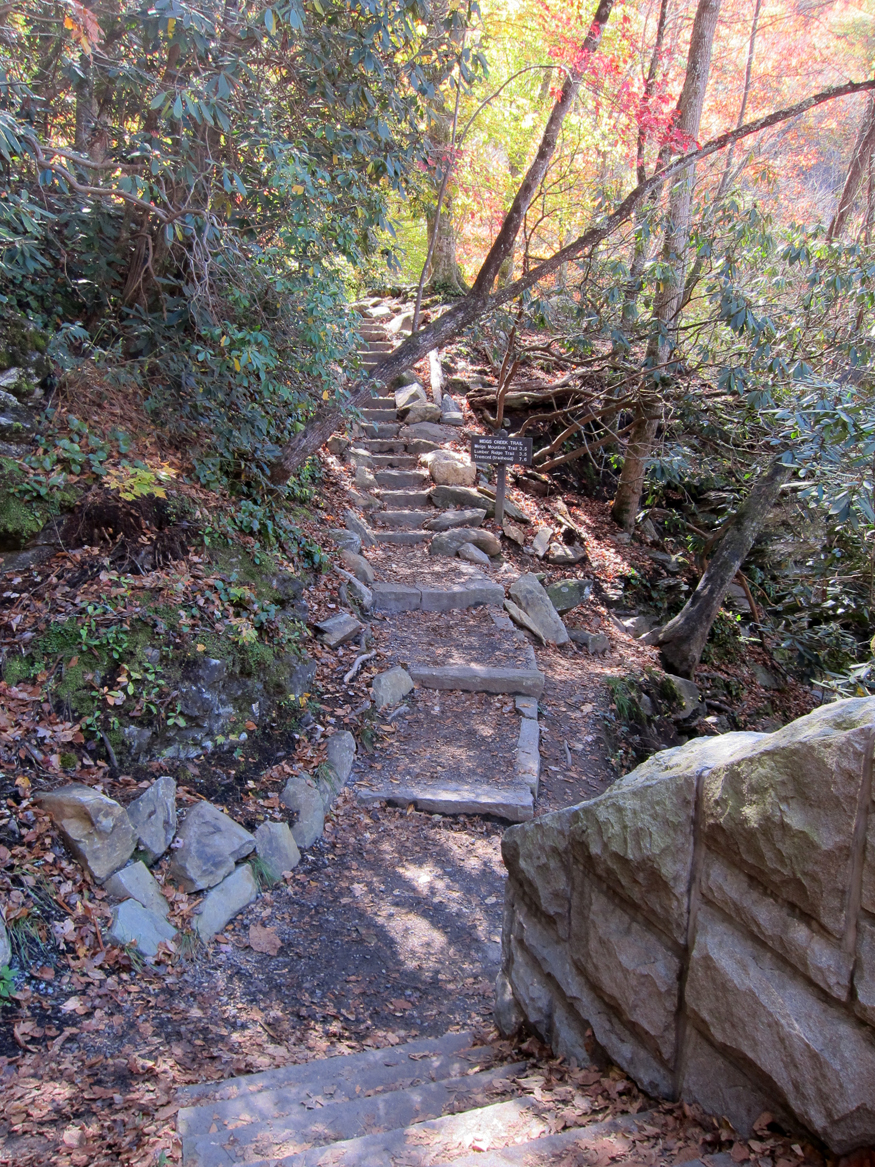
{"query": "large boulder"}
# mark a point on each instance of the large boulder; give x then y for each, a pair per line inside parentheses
(210, 844)
(447, 520)
(95, 828)
(450, 469)
(153, 815)
(709, 921)
(528, 593)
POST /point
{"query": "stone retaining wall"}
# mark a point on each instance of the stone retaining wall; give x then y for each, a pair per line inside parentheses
(711, 920)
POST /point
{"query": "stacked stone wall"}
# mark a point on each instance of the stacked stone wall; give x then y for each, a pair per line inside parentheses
(710, 922)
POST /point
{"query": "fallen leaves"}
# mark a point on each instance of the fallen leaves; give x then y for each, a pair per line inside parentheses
(264, 939)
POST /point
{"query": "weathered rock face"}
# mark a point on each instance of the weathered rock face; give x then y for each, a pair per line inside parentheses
(5, 946)
(711, 920)
(136, 882)
(153, 815)
(391, 687)
(225, 901)
(211, 843)
(96, 829)
(301, 795)
(133, 924)
(449, 542)
(277, 849)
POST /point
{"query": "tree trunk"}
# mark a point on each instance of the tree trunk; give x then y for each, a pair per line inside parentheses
(857, 169)
(682, 640)
(445, 271)
(667, 301)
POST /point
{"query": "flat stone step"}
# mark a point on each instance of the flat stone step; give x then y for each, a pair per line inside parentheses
(404, 479)
(370, 414)
(380, 429)
(479, 679)
(315, 1122)
(404, 538)
(385, 461)
(419, 446)
(404, 499)
(401, 520)
(512, 801)
(441, 1057)
(381, 403)
(382, 446)
(397, 597)
(424, 1144)
(552, 1150)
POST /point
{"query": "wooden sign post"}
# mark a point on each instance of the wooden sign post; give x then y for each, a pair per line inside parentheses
(501, 450)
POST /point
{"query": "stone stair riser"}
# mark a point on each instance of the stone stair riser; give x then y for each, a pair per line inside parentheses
(404, 480)
(404, 499)
(480, 679)
(401, 520)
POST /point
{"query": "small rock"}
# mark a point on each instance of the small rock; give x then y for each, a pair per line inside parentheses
(136, 882)
(688, 695)
(449, 542)
(276, 847)
(648, 531)
(595, 643)
(133, 924)
(638, 626)
(358, 566)
(514, 534)
(421, 411)
(225, 901)
(563, 555)
(451, 414)
(449, 469)
(153, 815)
(337, 445)
(211, 845)
(301, 796)
(408, 395)
(337, 630)
(340, 757)
(364, 479)
(473, 554)
(520, 618)
(669, 562)
(5, 946)
(528, 593)
(568, 593)
(95, 828)
(365, 534)
(346, 540)
(764, 678)
(447, 520)
(623, 537)
(361, 593)
(541, 541)
(390, 687)
(366, 502)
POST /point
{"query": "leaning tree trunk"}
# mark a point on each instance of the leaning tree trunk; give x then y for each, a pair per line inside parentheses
(668, 299)
(857, 169)
(682, 640)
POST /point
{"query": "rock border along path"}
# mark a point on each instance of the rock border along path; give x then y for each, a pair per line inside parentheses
(398, 505)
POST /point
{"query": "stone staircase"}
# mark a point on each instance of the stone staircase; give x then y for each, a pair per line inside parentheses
(428, 1102)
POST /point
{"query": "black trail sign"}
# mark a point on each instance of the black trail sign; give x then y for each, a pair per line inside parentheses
(502, 451)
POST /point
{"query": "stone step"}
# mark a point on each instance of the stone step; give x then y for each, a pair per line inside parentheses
(382, 446)
(381, 403)
(374, 1069)
(403, 538)
(317, 1121)
(380, 429)
(370, 414)
(570, 1146)
(404, 499)
(512, 800)
(381, 461)
(479, 679)
(419, 446)
(404, 479)
(402, 520)
(439, 1140)
(396, 597)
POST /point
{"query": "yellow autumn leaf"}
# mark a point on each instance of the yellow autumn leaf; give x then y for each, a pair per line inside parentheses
(171, 25)
(297, 189)
(201, 647)
(324, 394)
(68, 23)
(236, 364)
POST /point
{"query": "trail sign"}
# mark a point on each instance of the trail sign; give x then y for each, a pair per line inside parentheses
(502, 451)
